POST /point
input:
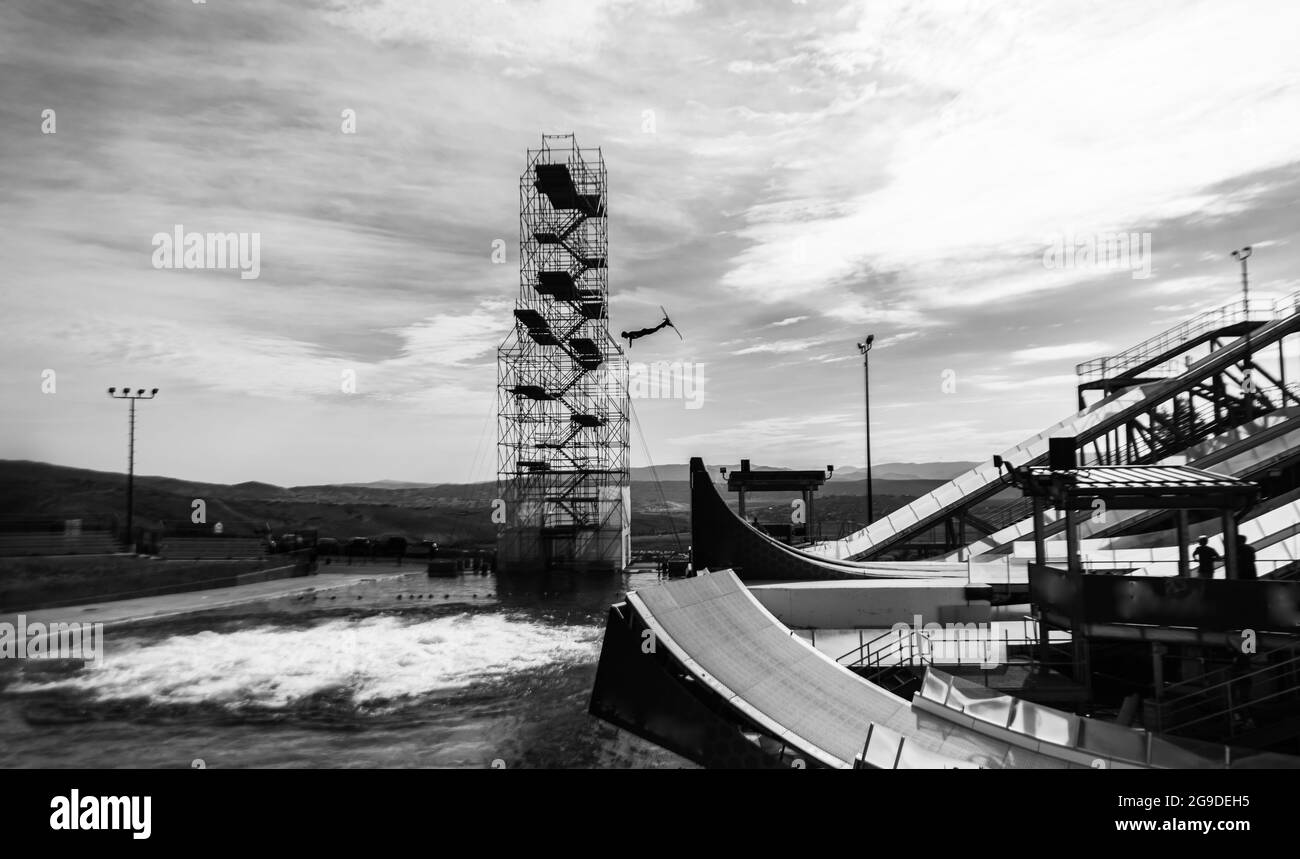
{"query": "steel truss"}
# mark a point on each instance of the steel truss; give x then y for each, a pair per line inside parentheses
(1213, 381)
(562, 417)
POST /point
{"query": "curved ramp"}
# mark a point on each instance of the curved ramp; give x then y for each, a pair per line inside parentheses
(698, 665)
(721, 540)
(720, 634)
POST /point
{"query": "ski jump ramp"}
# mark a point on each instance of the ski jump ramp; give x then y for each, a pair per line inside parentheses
(985, 481)
(701, 667)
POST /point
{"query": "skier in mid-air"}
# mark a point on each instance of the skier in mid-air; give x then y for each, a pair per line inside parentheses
(642, 332)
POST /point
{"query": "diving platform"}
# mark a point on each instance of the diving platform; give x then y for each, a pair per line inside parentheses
(594, 308)
(532, 392)
(586, 352)
(556, 182)
(539, 330)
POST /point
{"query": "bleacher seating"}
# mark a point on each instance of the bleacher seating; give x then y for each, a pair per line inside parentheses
(25, 543)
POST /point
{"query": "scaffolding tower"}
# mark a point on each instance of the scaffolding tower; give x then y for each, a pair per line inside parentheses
(562, 402)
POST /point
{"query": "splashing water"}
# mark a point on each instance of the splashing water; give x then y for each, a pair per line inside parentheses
(372, 659)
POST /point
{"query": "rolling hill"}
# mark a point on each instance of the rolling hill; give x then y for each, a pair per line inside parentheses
(446, 512)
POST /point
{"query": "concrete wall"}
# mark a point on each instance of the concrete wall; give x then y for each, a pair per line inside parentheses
(869, 605)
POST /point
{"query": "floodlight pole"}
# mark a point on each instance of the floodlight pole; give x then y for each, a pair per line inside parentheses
(130, 461)
(864, 348)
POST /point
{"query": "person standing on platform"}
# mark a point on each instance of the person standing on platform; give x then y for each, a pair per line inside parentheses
(1206, 557)
(1245, 560)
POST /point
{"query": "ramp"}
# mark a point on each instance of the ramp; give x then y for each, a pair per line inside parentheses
(721, 540)
(730, 679)
(1241, 452)
(1090, 424)
(726, 641)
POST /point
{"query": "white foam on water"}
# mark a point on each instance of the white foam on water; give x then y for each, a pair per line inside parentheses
(375, 658)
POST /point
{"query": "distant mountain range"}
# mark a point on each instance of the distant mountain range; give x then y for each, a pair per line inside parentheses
(884, 471)
(446, 512)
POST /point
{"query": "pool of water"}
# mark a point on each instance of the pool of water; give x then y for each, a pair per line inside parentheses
(471, 671)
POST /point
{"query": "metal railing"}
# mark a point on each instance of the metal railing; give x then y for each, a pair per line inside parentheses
(1234, 312)
(1189, 709)
(1167, 567)
(904, 647)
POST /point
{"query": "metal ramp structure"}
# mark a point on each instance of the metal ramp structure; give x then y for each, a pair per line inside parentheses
(700, 667)
(1143, 420)
(1155, 358)
(1251, 451)
(562, 406)
(721, 539)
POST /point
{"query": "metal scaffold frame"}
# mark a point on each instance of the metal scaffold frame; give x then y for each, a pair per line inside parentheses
(562, 402)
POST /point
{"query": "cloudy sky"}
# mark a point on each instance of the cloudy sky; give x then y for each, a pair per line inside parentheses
(785, 177)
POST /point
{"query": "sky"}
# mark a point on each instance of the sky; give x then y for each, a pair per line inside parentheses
(785, 177)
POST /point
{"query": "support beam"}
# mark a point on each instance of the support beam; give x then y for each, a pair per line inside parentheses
(1230, 570)
(1082, 662)
(1184, 550)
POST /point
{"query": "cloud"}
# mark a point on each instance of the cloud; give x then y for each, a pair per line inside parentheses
(1041, 354)
(779, 347)
(813, 172)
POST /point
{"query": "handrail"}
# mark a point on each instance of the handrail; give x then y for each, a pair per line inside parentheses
(861, 645)
(903, 643)
(1195, 683)
(1226, 314)
(1204, 692)
(1233, 706)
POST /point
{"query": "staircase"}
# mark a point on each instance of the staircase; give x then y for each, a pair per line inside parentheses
(1231, 319)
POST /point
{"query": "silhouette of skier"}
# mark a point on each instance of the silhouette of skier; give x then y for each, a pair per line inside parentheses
(643, 332)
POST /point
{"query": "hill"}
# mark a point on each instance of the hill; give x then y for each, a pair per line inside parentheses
(940, 471)
(447, 512)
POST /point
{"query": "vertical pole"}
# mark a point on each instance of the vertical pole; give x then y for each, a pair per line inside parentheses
(1247, 364)
(1082, 670)
(130, 483)
(1184, 551)
(866, 382)
(1230, 570)
(1040, 537)
(742, 502)
(1281, 369)
(1040, 559)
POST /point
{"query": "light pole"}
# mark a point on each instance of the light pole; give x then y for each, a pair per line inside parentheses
(1248, 383)
(864, 348)
(130, 462)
